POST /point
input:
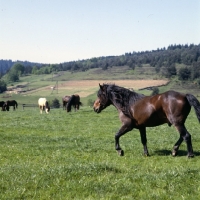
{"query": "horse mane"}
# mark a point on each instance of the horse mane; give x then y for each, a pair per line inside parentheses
(122, 98)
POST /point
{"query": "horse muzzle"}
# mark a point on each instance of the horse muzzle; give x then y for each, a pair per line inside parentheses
(97, 110)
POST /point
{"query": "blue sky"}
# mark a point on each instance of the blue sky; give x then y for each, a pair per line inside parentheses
(56, 31)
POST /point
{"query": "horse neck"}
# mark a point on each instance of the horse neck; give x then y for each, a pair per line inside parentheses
(123, 99)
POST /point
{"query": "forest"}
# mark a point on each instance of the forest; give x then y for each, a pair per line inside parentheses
(164, 60)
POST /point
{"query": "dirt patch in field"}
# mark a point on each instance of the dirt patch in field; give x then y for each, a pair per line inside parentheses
(88, 87)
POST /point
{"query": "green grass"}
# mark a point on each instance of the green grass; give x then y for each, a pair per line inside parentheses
(72, 156)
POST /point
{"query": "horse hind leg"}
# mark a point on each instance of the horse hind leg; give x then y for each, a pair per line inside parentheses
(144, 140)
(184, 135)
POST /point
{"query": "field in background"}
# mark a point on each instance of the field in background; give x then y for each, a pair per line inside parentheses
(85, 83)
(85, 88)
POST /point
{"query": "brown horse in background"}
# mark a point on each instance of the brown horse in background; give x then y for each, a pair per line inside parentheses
(74, 101)
(65, 100)
(9, 103)
(139, 111)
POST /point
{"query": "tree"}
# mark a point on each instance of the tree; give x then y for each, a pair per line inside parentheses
(155, 91)
(55, 103)
(184, 73)
(105, 67)
(3, 86)
(34, 70)
(12, 76)
(195, 70)
(171, 70)
(18, 67)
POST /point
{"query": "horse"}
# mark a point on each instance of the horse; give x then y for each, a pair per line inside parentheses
(65, 100)
(43, 105)
(140, 111)
(9, 103)
(1, 105)
(74, 101)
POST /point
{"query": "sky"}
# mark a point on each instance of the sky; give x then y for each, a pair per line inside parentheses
(57, 31)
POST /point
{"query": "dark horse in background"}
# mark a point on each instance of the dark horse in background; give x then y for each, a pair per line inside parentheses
(65, 100)
(9, 103)
(1, 105)
(139, 111)
(74, 101)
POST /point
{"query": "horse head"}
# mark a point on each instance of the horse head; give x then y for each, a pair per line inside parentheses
(103, 99)
(5, 106)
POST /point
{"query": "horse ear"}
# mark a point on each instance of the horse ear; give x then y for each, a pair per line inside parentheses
(101, 87)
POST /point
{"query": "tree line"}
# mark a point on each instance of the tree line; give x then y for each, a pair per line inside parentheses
(164, 61)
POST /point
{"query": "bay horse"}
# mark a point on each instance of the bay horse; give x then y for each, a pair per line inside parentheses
(43, 105)
(1, 105)
(65, 100)
(9, 103)
(140, 111)
(74, 101)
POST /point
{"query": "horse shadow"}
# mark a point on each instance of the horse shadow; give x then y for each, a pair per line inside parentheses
(164, 152)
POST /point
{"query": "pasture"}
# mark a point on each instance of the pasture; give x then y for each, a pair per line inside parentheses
(72, 156)
(85, 88)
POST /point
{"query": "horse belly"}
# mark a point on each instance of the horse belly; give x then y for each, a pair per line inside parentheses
(149, 117)
(155, 120)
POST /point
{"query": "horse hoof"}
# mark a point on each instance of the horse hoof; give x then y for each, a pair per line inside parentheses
(190, 155)
(174, 153)
(121, 152)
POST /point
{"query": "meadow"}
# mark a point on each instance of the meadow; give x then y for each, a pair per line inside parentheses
(72, 156)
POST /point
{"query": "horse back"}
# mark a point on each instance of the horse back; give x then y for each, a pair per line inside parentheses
(170, 107)
(42, 101)
(65, 98)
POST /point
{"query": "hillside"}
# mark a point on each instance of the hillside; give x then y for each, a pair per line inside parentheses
(163, 61)
(30, 87)
(178, 65)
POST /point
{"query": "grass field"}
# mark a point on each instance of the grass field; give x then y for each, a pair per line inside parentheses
(72, 156)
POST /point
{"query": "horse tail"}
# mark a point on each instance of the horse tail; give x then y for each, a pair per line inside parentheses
(193, 101)
(70, 103)
(16, 104)
(80, 103)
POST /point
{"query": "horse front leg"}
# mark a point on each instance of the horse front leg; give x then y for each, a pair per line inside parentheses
(144, 140)
(124, 129)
